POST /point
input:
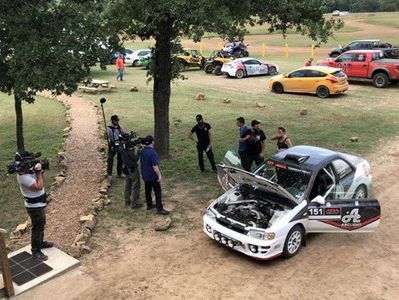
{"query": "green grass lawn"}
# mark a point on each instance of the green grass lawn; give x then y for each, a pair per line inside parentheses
(365, 112)
(44, 122)
(390, 19)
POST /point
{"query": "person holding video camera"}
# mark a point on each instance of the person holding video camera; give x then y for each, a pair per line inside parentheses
(114, 131)
(31, 184)
(130, 158)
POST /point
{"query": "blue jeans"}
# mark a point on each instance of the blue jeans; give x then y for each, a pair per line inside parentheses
(120, 74)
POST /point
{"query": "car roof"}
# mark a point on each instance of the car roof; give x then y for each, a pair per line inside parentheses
(325, 69)
(365, 41)
(245, 59)
(314, 158)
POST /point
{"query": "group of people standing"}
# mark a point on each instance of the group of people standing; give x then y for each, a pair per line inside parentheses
(251, 149)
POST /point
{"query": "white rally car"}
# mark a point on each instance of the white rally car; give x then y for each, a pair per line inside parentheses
(300, 190)
(134, 57)
(248, 66)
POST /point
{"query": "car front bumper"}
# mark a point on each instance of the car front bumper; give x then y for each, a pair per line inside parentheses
(250, 246)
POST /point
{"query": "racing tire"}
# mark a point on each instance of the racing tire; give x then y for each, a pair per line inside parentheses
(240, 74)
(322, 92)
(245, 53)
(380, 80)
(135, 63)
(218, 70)
(273, 71)
(208, 68)
(183, 66)
(360, 192)
(293, 242)
(277, 88)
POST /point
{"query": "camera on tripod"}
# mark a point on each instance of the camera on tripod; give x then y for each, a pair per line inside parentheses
(26, 161)
(130, 140)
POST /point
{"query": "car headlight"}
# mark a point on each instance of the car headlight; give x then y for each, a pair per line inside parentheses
(256, 234)
(270, 236)
(210, 213)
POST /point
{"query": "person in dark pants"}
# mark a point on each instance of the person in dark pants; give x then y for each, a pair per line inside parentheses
(31, 184)
(254, 139)
(151, 173)
(130, 158)
(113, 133)
(204, 142)
(243, 128)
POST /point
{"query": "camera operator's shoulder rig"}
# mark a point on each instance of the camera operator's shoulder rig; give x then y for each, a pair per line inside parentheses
(130, 140)
(24, 162)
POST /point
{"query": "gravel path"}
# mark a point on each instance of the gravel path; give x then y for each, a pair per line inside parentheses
(83, 175)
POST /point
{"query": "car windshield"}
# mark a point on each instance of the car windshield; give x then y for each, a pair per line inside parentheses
(293, 180)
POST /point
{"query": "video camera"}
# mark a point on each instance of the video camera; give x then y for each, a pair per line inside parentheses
(26, 161)
(130, 140)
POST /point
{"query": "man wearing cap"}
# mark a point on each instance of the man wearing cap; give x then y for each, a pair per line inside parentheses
(204, 142)
(151, 173)
(31, 184)
(113, 132)
(254, 139)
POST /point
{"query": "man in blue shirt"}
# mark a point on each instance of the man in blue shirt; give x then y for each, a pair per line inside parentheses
(242, 144)
(151, 173)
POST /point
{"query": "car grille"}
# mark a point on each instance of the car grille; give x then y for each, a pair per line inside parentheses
(232, 226)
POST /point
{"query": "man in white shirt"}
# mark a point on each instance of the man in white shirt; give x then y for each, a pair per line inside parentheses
(31, 184)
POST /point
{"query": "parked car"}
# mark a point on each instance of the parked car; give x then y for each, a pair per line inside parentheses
(134, 57)
(244, 67)
(359, 45)
(188, 58)
(298, 191)
(322, 81)
(145, 60)
(366, 65)
(114, 55)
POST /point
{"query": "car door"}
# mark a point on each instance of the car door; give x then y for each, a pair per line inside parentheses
(293, 82)
(330, 213)
(312, 80)
(251, 67)
(263, 68)
(357, 67)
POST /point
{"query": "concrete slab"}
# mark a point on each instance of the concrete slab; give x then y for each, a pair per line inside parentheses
(59, 261)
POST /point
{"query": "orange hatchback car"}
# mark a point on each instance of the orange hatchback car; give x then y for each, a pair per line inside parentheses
(319, 80)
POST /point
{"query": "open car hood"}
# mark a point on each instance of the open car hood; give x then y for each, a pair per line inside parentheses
(229, 177)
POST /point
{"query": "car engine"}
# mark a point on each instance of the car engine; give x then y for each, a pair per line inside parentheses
(251, 213)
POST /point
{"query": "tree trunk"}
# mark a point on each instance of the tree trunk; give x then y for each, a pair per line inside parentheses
(19, 123)
(161, 95)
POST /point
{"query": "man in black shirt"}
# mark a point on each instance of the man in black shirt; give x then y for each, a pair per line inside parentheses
(204, 142)
(254, 139)
(130, 158)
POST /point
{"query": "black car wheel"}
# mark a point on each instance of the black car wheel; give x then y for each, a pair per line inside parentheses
(293, 241)
(322, 92)
(208, 68)
(360, 192)
(240, 74)
(380, 80)
(135, 63)
(218, 70)
(245, 53)
(278, 88)
(272, 71)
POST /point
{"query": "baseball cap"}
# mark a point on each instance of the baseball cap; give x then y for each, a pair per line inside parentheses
(255, 122)
(148, 140)
(198, 117)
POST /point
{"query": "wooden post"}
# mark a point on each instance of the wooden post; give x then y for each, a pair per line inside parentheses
(200, 47)
(263, 50)
(312, 52)
(8, 286)
(286, 50)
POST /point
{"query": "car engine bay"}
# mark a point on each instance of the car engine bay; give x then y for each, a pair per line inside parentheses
(249, 206)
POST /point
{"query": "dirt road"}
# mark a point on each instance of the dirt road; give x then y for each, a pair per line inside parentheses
(187, 265)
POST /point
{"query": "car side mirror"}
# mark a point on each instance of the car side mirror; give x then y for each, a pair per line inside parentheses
(319, 199)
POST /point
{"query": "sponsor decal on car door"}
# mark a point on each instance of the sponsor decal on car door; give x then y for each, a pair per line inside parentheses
(361, 215)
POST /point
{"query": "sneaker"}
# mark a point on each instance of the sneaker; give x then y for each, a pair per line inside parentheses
(47, 244)
(163, 212)
(150, 207)
(137, 205)
(40, 256)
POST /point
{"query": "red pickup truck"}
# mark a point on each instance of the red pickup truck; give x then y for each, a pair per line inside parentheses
(366, 64)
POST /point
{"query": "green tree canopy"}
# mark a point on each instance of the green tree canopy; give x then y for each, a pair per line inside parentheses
(49, 45)
(168, 20)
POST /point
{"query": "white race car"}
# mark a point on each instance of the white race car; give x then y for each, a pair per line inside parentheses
(248, 66)
(300, 190)
(134, 57)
